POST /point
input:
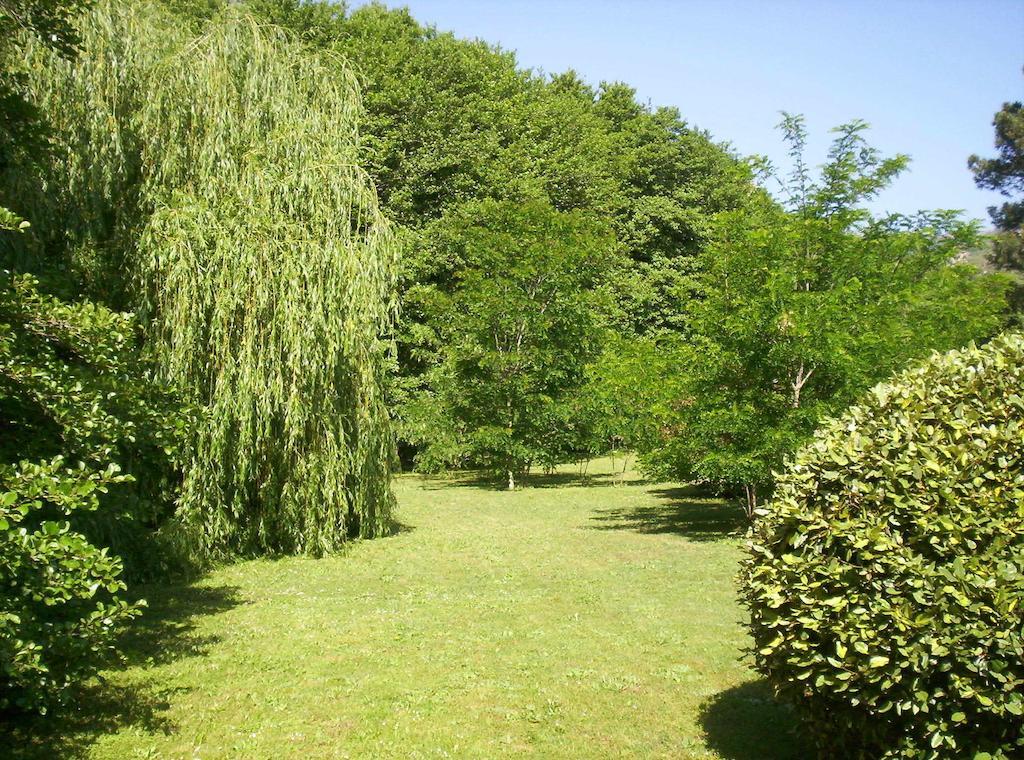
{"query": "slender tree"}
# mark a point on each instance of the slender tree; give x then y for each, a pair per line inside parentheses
(1005, 173)
(518, 328)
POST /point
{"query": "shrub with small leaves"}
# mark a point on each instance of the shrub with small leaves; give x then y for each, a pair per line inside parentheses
(59, 607)
(885, 580)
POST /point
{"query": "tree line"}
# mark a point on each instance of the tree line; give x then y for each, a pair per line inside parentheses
(582, 272)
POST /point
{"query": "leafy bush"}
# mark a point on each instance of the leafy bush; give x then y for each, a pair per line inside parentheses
(73, 384)
(73, 388)
(60, 608)
(886, 578)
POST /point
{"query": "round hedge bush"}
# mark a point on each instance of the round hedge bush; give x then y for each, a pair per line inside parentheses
(885, 580)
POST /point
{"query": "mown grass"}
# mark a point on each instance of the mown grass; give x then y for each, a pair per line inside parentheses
(558, 621)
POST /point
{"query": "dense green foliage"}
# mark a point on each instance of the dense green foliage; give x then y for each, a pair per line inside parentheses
(60, 608)
(73, 385)
(805, 308)
(519, 320)
(885, 580)
(618, 401)
(219, 177)
(72, 389)
(51, 21)
(451, 123)
(77, 406)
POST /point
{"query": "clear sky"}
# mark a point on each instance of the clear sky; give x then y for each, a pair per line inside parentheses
(928, 75)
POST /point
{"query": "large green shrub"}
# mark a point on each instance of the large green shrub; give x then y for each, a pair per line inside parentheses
(74, 384)
(59, 605)
(885, 580)
(77, 406)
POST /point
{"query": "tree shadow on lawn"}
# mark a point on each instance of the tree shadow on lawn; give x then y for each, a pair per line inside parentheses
(747, 723)
(397, 529)
(165, 632)
(488, 482)
(688, 511)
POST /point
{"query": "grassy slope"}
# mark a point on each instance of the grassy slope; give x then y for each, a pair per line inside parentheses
(556, 621)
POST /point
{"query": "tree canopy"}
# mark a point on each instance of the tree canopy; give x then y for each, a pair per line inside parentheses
(803, 308)
(1005, 173)
(214, 184)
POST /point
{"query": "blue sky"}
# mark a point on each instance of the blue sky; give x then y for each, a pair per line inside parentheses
(928, 75)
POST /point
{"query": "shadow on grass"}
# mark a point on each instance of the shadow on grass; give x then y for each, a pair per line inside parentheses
(747, 723)
(398, 529)
(93, 711)
(488, 482)
(687, 511)
(167, 631)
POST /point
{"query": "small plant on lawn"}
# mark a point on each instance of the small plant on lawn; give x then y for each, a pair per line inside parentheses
(885, 580)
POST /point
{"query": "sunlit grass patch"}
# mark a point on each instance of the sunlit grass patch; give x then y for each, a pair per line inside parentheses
(545, 622)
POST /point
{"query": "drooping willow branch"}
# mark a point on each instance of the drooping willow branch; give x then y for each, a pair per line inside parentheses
(221, 175)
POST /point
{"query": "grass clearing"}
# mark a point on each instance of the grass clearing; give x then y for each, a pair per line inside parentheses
(557, 621)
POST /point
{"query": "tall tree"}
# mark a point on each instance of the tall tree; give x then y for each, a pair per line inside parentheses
(1005, 173)
(518, 326)
(804, 308)
(223, 175)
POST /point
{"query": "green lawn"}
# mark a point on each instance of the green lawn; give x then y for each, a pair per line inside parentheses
(555, 621)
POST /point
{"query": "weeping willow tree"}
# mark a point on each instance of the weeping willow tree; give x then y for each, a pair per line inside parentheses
(213, 183)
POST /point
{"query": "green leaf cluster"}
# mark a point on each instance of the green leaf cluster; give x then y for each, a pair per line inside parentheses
(61, 604)
(50, 23)
(804, 308)
(74, 384)
(885, 580)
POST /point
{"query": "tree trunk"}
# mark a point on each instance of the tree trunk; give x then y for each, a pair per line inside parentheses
(799, 382)
(751, 504)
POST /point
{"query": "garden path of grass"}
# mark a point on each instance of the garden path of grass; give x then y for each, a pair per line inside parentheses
(558, 621)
